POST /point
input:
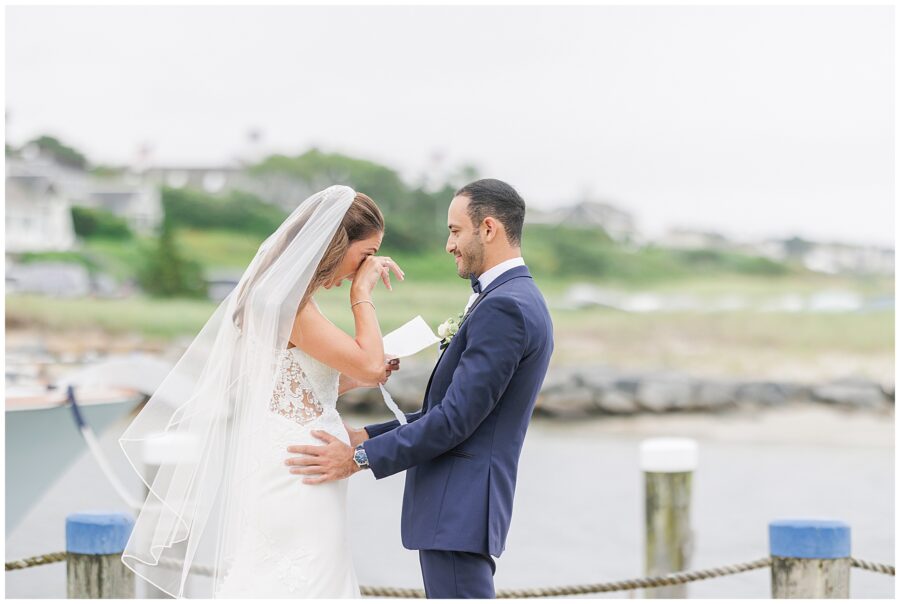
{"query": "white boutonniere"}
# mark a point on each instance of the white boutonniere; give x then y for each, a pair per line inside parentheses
(448, 329)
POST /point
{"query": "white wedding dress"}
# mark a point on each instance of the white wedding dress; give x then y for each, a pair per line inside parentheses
(294, 540)
(225, 504)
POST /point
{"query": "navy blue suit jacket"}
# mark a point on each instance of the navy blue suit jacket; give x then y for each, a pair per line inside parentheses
(461, 451)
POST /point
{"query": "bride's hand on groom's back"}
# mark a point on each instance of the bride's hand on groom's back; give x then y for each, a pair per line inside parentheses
(371, 270)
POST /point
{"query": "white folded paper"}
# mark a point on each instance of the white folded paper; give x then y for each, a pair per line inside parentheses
(415, 336)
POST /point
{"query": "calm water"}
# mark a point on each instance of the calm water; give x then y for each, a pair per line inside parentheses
(578, 515)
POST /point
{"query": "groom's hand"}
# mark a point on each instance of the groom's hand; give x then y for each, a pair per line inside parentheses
(322, 463)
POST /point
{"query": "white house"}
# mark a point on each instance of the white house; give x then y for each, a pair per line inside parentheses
(841, 258)
(38, 216)
(619, 224)
(830, 258)
(138, 203)
(212, 179)
(279, 189)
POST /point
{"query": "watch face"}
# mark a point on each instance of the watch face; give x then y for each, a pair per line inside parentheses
(360, 457)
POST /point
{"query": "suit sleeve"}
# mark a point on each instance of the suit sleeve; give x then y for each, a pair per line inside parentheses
(496, 339)
(375, 429)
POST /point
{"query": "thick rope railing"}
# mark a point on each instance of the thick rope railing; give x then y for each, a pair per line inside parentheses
(535, 592)
(580, 590)
(661, 581)
(875, 567)
(36, 561)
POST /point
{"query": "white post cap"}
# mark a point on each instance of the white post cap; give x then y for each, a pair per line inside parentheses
(170, 448)
(669, 455)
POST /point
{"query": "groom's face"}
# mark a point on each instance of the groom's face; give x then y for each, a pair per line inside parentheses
(464, 241)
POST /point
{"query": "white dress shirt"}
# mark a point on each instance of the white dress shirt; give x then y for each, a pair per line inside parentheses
(488, 276)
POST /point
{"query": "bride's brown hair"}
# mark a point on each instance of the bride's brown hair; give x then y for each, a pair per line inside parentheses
(363, 219)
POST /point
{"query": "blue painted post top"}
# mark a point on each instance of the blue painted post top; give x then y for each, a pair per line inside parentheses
(821, 539)
(91, 533)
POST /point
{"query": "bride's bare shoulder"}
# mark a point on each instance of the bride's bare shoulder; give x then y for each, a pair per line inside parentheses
(313, 310)
(308, 318)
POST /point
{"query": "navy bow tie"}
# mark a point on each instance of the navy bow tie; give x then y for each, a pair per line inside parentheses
(476, 284)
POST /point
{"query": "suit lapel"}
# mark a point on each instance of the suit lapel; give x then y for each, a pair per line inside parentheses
(519, 271)
(513, 273)
(472, 307)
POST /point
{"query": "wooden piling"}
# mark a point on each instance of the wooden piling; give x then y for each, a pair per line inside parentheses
(810, 558)
(668, 465)
(94, 546)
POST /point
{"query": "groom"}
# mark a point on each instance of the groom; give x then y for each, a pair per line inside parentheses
(461, 451)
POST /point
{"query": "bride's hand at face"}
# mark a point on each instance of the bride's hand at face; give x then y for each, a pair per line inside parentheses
(373, 269)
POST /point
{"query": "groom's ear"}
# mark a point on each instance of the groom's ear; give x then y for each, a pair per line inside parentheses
(493, 228)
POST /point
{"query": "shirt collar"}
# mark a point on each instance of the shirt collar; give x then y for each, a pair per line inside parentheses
(492, 273)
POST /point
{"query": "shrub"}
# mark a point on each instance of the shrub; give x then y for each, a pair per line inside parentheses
(93, 222)
(166, 273)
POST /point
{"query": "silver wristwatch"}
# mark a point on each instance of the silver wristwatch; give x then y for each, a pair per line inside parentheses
(360, 457)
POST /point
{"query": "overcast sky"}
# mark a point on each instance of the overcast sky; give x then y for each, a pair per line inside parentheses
(761, 121)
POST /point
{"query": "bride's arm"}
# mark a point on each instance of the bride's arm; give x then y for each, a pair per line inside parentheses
(361, 357)
(346, 384)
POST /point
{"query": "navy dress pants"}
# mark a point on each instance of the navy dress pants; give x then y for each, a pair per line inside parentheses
(457, 574)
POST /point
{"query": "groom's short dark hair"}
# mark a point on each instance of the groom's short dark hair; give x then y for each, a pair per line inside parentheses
(492, 197)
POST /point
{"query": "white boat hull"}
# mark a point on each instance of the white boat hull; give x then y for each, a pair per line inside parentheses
(43, 441)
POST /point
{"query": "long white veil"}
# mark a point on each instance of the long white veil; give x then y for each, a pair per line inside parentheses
(229, 371)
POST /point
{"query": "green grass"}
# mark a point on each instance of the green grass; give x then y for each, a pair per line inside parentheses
(113, 256)
(119, 259)
(803, 333)
(122, 259)
(218, 249)
(731, 343)
(145, 316)
(735, 343)
(70, 257)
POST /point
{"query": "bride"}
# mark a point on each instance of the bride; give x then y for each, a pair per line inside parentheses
(264, 371)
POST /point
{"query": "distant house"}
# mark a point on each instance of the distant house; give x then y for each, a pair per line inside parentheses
(211, 179)
(830, 258)
(38, 216)
(841, 258)
(618, 224)
(278, 189)
(688, 239)
(773, 249)
(137, 203)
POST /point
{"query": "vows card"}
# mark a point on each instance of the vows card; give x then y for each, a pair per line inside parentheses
(406, 341)
(413, 337)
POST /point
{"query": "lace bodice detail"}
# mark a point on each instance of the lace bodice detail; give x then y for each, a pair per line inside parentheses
(304, 387)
